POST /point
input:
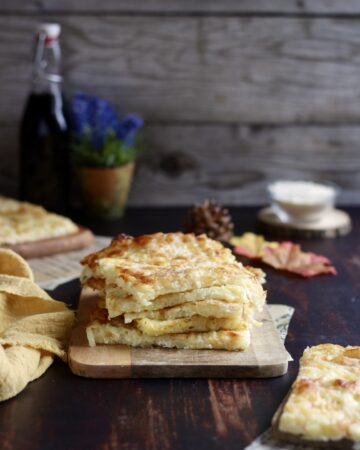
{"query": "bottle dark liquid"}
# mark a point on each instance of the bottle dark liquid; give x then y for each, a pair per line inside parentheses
(44, 166)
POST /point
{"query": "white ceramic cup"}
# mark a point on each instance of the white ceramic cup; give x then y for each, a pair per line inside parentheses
(301, 201)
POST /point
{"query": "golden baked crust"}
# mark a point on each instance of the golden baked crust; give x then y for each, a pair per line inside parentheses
(161, 248)
(324, 402)
(24, 222)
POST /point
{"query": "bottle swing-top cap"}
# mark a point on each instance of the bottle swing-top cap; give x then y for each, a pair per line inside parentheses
(47, 52)
(50, 30)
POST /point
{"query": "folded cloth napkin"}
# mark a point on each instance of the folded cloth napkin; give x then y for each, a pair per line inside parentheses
(33, 326)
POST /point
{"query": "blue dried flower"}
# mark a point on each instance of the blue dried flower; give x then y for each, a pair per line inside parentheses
(128, 128)
(95, 118)
(101, 139)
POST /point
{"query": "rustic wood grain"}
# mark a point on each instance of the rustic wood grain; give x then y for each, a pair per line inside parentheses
(218, 69)
(233, 164)
(61, 411)
(189, 75)
(182, 164)
(279, 7)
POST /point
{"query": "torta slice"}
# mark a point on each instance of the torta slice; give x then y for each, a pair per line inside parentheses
(185, 324)
(33, 232)
(145, 282)
(204, 308)
(117, 332)
(24, 222)
(247, 292)
(323, 406)
(172, 290)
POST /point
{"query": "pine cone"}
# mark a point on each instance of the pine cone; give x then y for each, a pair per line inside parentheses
(210, 218)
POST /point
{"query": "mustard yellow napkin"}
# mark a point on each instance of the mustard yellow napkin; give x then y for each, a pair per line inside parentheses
(33, 326)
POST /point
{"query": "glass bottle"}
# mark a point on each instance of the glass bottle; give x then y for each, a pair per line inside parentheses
(44, 159)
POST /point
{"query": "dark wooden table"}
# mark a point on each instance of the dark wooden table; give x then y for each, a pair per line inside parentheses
(61, 411)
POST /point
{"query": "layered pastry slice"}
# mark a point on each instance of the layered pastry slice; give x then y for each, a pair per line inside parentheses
(32, 231)
(171, 290)
(24, 222)
(323, 406)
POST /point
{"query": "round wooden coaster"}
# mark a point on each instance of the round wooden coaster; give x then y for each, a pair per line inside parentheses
(333, 223)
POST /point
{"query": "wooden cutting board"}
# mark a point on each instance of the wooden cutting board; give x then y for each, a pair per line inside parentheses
(47, 247)
(266, 357)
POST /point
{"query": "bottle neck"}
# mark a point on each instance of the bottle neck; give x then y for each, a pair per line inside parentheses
(44, 86)
(54, 99)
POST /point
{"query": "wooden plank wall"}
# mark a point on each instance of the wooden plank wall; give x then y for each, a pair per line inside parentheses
(234, 93)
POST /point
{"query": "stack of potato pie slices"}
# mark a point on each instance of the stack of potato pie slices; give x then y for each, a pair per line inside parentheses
(171, 290)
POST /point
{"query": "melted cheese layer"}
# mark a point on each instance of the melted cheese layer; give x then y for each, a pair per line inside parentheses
(106, 333)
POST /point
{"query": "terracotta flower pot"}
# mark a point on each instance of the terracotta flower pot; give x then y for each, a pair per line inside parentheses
(105, 190)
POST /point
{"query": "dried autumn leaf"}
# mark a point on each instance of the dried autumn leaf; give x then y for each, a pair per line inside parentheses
(289, 256)
(282, 255)
(251, 245)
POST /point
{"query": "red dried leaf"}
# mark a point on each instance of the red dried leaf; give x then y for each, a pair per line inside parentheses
(245, 252)
(289, 256)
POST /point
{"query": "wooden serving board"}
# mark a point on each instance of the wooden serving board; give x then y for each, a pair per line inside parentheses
(53, 246)
(266, 357)
(333, 223)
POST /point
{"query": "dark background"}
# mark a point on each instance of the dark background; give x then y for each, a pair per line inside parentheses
(61, 411)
